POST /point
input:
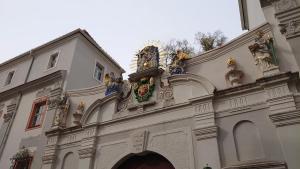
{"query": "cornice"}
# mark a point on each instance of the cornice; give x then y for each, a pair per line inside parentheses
(87, 91)
(48, 79)
(258, 84)
(258, 164)
(231, 45)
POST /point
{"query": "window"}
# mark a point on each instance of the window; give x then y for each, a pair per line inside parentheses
(37, 114)
(98, 72)
(9, 77)
(53, 60)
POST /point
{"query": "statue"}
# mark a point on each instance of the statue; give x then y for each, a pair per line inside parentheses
(79, 112)
(177, 62)
(112, 83)
(263, 51)
(147, 58)
(62, 111)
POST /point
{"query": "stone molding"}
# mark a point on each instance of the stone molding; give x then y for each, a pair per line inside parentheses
(86, 152)
(48, 79)
(231, 45)
(97, 103)
(87, 91)
(288, 15)
(285, 118)
(259, 164)
(48, 159)
(138, 141)
(206, 132)
(284, 5)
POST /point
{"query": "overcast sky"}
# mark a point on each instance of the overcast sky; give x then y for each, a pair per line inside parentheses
(121, 27)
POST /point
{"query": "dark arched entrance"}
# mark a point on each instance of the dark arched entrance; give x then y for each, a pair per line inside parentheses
(145, 161)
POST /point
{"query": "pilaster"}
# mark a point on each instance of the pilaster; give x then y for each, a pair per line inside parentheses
(87, 148)
(206, 133)
(49, 156)
(286, 118)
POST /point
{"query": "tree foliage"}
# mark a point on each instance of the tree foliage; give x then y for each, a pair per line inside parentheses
(208, 41)
(171, 48)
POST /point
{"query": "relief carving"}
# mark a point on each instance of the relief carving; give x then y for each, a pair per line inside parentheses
(284, 5)
(139, 141)
(79, 112)
(62, 111)
(166, 95)
(43, 92)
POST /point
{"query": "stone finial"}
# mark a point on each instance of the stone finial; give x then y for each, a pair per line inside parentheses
(234, 76)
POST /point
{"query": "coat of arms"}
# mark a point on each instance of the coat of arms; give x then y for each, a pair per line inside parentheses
(143, 89)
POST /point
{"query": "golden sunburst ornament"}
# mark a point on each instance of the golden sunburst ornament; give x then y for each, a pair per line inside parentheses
(162, 55)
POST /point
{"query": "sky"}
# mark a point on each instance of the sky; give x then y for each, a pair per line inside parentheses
(120, 27)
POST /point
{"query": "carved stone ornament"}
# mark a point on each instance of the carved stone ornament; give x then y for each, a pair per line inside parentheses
(284, 5)
(166, 95)
(263, 51)
(234, 76)
(177, 65)
(139, 141)
(147, 58)
(143, 89)
(79, 112)
(62, 111)
(290, 28)
(7, 117)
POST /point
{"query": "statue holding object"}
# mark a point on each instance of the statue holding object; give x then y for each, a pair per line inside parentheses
(62, 111)
(177, 65)
(263, 51)
(112, 83)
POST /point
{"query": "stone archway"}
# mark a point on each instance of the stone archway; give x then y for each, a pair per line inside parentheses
(144, 161)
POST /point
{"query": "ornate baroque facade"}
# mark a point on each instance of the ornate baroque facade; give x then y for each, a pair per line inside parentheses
(234, 107)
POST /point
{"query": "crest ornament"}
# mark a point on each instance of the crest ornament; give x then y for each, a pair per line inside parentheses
(143, 89)
(147, 58)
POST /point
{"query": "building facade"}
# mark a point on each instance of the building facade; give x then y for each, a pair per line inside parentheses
(233, 107)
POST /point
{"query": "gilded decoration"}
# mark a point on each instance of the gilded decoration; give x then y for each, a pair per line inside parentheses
(143, 89)
(112, 83)
(263, 51)
(177, 65)
(233, 76)
(147, 58)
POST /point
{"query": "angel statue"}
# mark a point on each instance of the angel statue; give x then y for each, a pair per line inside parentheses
(263, 51)
(112, 83)
(177, 62)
